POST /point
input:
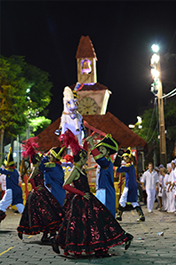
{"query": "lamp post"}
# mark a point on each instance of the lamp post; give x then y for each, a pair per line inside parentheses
(156, 88)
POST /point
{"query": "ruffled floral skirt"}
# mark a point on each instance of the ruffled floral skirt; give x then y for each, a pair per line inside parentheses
(88, 226)
(42, 213)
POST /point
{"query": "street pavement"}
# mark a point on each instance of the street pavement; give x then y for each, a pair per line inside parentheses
(147, 246)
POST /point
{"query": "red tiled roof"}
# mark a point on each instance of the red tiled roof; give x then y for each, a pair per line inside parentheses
(107, 123)
(47, 138)
(85, 48)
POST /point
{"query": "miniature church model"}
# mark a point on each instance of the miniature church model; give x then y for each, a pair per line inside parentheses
(92, 96)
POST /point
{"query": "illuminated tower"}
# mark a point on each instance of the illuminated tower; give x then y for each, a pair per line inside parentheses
(86, 61)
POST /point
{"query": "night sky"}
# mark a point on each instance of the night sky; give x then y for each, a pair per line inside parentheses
(47, 33)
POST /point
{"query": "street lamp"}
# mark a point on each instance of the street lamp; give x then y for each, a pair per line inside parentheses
(155, 48)
(156, 89)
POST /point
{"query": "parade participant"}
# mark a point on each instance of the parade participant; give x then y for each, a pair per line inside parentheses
(128, 199)
(149, 180)
(143, 190)
(174, 182)
(169, 189)
(42, 212)
(160, 189)
(105, 184)
(13, 193)
(164, 173)
(2, 184)
(139, 187)
(88, 226)
(53, 173)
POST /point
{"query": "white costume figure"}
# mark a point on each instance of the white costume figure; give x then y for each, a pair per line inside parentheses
(160, 190)
(170, 193)
(165, 199)
(149, 180)
(71, 119)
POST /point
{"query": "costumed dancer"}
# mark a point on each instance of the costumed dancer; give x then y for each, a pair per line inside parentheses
(105, 184)
(53, 173)
(88, 226)
(128, 199)
(42, 212)
(13, 193)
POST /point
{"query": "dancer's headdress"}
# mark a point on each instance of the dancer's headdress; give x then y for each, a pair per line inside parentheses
(30, 149)
(57, 152)
(128, 153)
(69, 139)
(108, 142)
(9, 159)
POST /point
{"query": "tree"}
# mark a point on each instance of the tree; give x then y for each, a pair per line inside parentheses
(149, 131)
(38, 93)
(24, 95)
(36, 126)
(12, 99)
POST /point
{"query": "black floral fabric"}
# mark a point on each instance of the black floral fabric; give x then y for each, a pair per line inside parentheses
(42, 212)
(88, 225)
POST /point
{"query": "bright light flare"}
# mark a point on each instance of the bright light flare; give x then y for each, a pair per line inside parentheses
(155, 48)
(155, 73)
(155, 58)
(131, 126)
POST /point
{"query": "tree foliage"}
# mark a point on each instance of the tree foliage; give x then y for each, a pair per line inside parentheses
(170, 114)
(12, 97)
(25, 93)
(150, 127)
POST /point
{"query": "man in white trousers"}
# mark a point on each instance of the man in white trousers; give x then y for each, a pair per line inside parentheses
(149, 180)
(13, 193)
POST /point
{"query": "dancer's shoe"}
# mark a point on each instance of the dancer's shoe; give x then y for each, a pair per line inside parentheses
(20, 235)
(128, 242)
(2, 215)
(45, 238)
(54, 245)
(101, 254)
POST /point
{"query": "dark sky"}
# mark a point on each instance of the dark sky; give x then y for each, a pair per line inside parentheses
(47, 33)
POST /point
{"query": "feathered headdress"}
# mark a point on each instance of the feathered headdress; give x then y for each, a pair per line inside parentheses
(30, 147)
(69, 139)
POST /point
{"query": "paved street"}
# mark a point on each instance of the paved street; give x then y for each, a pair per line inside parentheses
(146, 248)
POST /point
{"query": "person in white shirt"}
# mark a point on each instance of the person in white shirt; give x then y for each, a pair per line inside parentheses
(149, 180)
(174, 184)
(170, 191)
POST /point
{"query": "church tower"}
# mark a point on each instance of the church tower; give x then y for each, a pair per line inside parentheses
(86, 62)
(92, 96)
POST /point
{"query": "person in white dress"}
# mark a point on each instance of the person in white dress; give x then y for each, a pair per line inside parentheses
(170, 191)
(164, 173)
(160, 188)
